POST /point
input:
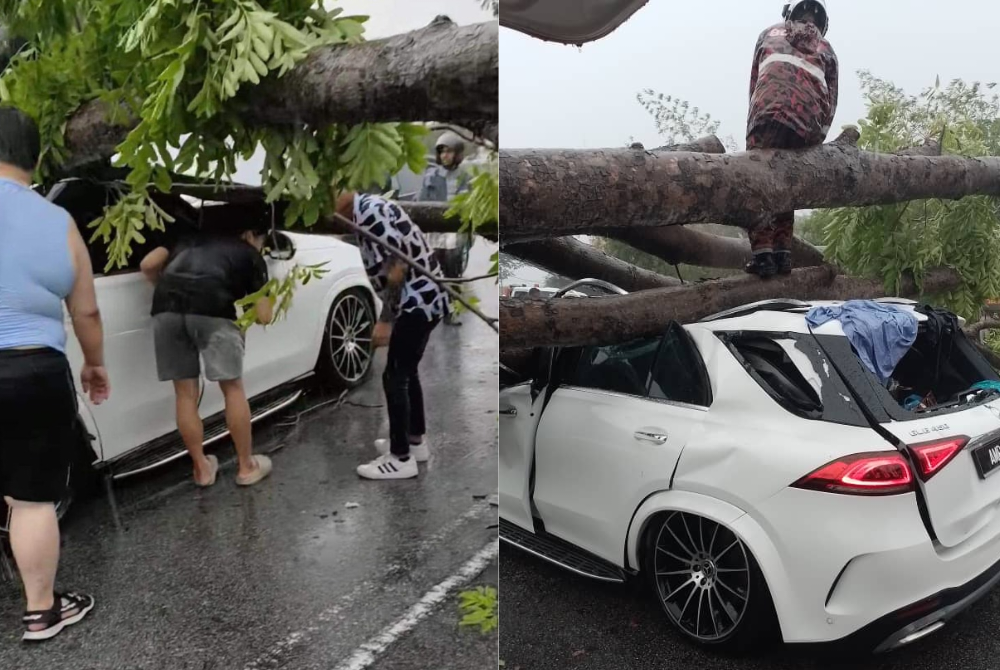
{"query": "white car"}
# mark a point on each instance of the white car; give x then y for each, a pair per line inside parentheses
(327, 331)
(760, 477)
(525, 292)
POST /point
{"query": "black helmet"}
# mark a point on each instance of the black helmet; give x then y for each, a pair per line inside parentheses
(792, 8)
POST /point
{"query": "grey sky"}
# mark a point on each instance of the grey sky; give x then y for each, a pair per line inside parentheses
(558, 96)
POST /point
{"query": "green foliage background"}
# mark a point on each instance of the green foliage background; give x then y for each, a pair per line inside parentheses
(885, 242)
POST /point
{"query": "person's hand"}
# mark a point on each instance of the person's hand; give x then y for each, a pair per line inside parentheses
(381, 334)
(94, 379)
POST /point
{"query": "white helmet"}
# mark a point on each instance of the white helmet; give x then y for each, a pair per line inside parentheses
(451, 141)
(791, 7)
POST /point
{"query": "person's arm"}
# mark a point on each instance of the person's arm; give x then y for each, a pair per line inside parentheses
(154, 262)
(833, 86)
(425, 185)
(755, 70)
(82, 302)
(391, 296)
(264, 306)
(265, 311)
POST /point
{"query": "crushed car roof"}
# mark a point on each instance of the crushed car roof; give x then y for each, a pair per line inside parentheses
(567, 21)
(787, 316)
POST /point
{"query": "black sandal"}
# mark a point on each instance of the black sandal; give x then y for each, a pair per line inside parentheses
(55, 619)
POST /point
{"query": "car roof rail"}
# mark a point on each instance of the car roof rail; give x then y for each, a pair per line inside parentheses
(896, 301)
(772, 305)
(597, 283)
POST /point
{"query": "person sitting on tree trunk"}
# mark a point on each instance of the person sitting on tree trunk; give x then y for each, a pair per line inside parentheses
(412, 307)
(793, 99)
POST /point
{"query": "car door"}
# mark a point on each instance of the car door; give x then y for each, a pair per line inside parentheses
(140, 408)
(521, 408)
(612, 434)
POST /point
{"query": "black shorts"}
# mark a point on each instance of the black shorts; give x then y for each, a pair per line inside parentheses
(39, 429)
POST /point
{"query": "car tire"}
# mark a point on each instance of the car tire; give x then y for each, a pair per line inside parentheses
(345, 355)
(708, 583)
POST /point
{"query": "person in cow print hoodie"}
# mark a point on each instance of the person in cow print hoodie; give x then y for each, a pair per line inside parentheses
(793, 99)
(412, 307)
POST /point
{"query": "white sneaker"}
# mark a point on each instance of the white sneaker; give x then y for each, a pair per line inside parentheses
(421, 451)
(389, 467)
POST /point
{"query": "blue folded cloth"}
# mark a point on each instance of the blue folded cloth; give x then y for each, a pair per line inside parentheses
(881, 334)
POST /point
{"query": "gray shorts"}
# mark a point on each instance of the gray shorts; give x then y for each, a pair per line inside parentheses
(180, 339)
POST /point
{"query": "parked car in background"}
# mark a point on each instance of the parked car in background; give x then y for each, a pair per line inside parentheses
(543, 293)
(326, 333)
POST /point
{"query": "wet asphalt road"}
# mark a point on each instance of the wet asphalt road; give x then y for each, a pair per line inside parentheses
(553, 619)
(286, 574)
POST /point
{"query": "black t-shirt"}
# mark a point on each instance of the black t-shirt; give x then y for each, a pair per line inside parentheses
(207, 275)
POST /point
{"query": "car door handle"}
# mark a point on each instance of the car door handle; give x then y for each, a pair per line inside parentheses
(656, 438)
(509, 411)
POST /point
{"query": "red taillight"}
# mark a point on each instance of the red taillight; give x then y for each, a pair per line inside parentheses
(872, 474)
(932, 456)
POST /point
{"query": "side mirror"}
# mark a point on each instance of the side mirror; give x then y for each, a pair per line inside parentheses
(281, 248)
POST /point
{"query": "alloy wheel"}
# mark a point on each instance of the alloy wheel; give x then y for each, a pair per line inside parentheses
(702, 575)
(351, 327)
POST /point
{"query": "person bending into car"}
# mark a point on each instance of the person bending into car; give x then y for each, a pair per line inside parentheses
(793, 99)
(43, 263)
(413, 306)
(194, 317)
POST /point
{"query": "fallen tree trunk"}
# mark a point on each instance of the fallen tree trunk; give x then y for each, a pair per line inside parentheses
(578, 260)
(680, 244)
(429, 216)
(442, 72)
(988, 354)
(525, 323)
(548, 193)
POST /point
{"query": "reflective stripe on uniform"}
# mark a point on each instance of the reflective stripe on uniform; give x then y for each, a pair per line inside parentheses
(797, 62)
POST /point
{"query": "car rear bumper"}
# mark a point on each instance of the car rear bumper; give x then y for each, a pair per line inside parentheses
(913, 622)
(868, 575)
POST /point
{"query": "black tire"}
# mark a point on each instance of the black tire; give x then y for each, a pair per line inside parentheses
(454, 261)
(345, 355)
(694, 552)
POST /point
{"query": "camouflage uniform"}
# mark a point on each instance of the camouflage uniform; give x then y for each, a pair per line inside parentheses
(793, 99)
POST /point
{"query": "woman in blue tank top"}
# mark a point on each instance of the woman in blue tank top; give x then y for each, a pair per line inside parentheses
(43, 264)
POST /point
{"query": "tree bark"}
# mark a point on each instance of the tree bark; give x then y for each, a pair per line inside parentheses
(549, 193)
(987, 324)
(677, 245)
(578, 260)
(429, 216)
(442, 72)
(987, 353)
(525, 323)
(680, 244)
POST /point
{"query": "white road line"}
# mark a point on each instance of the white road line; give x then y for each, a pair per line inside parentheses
(367, 653)
(333, 614)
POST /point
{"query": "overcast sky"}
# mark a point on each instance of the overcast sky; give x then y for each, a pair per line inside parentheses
(568, 97)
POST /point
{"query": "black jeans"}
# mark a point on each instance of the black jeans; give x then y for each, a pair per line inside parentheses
(403, 395)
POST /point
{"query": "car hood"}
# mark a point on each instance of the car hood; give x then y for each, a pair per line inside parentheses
(567, 21)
